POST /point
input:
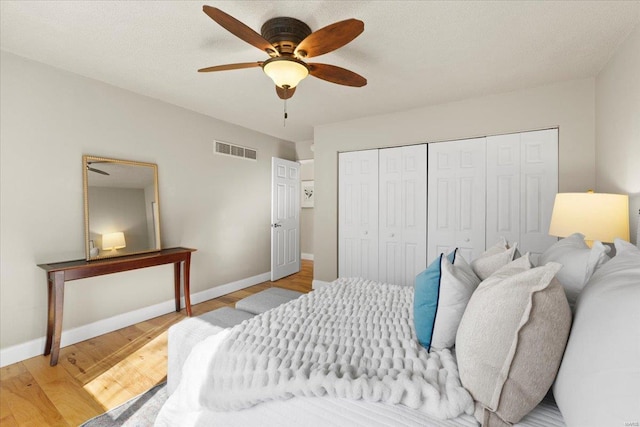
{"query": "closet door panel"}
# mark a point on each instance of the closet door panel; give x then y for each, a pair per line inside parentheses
(503, 188)
(456, 189)
(522, 180)
(402, 213)
(358, 214)
(390, 211)
(539, 185)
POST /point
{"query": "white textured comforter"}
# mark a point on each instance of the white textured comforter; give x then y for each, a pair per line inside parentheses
(353, 339)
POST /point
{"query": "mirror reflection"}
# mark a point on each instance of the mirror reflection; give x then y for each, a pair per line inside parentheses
(121, 207)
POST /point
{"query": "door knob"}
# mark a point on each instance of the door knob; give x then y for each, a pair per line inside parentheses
(276, 225)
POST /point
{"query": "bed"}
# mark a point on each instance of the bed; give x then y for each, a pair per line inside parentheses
(349, 355)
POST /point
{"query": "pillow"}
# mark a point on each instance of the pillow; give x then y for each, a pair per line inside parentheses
(440, 297)
(510, 340)
(493, 258)
(597, 384)
(578, 262)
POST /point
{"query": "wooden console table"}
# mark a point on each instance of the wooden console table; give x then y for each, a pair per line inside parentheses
(60, 272)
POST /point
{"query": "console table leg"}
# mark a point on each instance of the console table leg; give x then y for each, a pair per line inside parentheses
(58, 304)
(187, 290)
(176, 284)
(50, 310)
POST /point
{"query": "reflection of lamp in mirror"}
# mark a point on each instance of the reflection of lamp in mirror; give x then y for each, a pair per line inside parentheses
(113, 241)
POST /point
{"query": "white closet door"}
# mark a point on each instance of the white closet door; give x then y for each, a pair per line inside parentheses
(503, 188)
(358, 214)
(456, 194)
(403, 213)
(522, 180)
(538, 187)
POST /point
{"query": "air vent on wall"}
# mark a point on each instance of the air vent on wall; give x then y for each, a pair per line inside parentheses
(233, 150)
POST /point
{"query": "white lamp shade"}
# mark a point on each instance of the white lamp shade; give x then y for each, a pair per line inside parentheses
(285, 72)
(599, 216)
(112, 241)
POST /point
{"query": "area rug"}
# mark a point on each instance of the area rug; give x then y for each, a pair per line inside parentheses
(141, 411)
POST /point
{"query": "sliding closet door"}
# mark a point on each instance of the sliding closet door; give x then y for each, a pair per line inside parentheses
(522, 180)
(358, 214)
(403, 213)
(456, 189)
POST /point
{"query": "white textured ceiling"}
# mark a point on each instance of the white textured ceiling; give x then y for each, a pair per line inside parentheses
(413, 53)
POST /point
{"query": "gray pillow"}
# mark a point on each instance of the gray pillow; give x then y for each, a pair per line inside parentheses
(511, 339)
(493, 258)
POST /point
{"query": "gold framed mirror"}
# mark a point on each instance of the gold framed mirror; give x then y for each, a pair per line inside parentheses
(121, 207)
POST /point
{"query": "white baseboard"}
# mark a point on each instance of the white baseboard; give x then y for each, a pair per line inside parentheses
(316, 284)
(20, 352)
(306, 256)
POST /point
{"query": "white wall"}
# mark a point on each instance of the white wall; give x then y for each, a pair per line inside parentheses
(618, 126)
(50, 118)
(569, 106)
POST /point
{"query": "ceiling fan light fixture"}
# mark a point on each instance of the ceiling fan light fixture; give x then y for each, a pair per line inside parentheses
(285, 71)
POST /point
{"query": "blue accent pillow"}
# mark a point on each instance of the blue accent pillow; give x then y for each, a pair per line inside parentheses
(425, 299)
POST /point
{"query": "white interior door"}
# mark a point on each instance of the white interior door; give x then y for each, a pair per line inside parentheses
(358, 214)
(285, 218)
(403, 213)
(456, 198)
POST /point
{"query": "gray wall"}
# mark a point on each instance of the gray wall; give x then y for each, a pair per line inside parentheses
(216, 204)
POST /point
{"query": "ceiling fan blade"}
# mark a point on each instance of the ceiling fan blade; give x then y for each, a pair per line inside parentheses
(329, 38)
(337, 75)
(231, 67)
(97, 171)
(285, 93)
(240, 30)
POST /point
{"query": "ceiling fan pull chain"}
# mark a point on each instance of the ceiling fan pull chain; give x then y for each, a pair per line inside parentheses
(284, 121)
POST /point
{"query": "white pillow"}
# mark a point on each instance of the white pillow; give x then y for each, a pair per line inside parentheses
(493, 258)
(598, 381)
(458, 283)
(441, 294)
(578, 261)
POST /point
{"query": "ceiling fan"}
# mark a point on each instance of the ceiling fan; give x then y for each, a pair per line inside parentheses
(288, 42)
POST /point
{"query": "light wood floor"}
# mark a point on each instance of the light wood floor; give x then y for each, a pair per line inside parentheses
(99, 374)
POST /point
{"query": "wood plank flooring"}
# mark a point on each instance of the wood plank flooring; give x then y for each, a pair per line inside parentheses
(99, 374)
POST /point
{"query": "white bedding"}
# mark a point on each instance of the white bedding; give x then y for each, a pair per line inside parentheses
(354, 339)
(329, 316)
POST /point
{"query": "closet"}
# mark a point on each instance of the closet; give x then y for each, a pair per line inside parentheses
(398, 208)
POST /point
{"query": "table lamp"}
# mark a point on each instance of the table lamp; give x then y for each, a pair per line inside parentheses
(599, 216)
